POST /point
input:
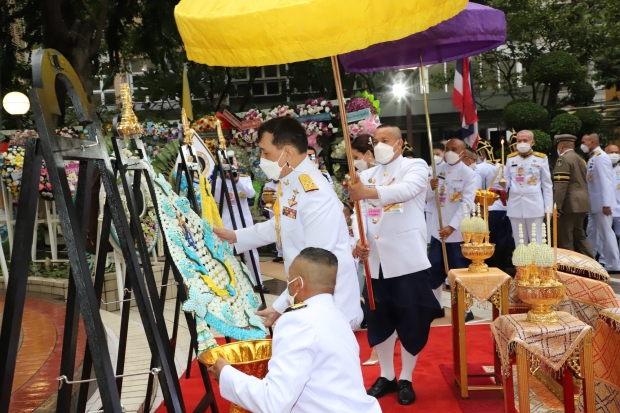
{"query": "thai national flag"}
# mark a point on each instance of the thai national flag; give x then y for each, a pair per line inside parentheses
(463, 99)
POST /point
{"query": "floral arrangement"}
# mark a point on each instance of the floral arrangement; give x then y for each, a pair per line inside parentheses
(280, 111)
(161, 131)
(314, 107)
(339, 150)
(205, 124)
(317, 129)
(243, 158)
(19, 139)
(364, 100)
(248, 136)
(254, 163)
(220, 287)
(368, 125)
(11, 163)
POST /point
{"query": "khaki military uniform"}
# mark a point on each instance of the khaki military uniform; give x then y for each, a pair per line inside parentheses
(570, 194)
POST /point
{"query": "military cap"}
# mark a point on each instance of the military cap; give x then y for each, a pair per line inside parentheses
(564, 138)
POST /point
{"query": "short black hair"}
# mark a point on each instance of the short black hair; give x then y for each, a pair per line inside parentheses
(319, 256)
(311, 148)
(409, 153)
(286, 131)
(439, 145)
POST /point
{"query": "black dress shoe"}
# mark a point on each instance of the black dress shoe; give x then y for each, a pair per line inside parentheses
(469, 316)
(257, 289)
(441, 313)
(406, 395)
(277, 259)
(382, 387)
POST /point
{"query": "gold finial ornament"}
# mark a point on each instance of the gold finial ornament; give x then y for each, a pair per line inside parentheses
(187, 132)
(129, 125)
(220, 135)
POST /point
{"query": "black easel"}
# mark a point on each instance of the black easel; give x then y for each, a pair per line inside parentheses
(50, 67)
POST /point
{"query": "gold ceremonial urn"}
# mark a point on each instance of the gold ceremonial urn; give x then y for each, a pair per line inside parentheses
(250, 357)
(476, 246)
(540, 288)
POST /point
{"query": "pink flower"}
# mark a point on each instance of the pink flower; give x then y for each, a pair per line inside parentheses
(41, 187)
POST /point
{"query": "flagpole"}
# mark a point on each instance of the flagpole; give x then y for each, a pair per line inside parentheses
(347, 143)
(430, 145)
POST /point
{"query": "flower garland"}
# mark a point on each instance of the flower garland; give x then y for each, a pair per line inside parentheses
(220, 288)
(11, 164)
(367, 126)
(280, 111)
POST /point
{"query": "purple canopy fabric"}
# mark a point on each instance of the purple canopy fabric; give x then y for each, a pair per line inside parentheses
(475, 30)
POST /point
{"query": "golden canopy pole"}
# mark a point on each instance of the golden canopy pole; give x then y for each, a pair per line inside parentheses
(347, 143)
(430, 145)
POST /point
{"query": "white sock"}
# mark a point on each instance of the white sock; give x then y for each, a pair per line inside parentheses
(409, 361)
(385, 354)
(439, 295)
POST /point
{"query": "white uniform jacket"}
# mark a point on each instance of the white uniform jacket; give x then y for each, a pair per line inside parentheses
(457, 186)
(314, 367)
(310, 219)
(491, 170)
(529, 181)
(600, 181)
(394, 224)
(245, 191)
(616, 178)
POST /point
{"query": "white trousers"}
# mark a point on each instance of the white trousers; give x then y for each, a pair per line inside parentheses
(617, 226)
(527, 229)
(603, 240)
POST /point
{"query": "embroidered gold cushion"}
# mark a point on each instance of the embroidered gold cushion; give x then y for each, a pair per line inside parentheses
(578, 264)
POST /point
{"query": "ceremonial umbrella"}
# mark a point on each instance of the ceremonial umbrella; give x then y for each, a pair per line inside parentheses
(270, 32)
(474, 30)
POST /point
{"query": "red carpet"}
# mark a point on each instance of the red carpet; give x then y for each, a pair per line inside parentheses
(432, 379)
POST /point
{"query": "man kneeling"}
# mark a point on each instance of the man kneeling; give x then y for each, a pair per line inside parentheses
(315, 365)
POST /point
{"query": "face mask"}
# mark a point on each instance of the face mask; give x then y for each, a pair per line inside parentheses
(523, 147)
(615, 158)
(272, 169)
(360, 164)
(384, 152)
(438, 159)
(472, 166)
(291, 298)
(452, 157)
(584, 148)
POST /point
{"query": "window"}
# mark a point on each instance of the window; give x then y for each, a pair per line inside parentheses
(271, 71)
(273, 88)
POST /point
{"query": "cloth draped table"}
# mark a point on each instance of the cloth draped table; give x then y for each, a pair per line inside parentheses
(480, 286)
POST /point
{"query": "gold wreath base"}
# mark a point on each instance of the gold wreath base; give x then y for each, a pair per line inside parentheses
(250, 357)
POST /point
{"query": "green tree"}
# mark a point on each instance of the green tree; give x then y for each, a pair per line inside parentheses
(565, 123)
(525, 115)
(553, 70)
(591, 121)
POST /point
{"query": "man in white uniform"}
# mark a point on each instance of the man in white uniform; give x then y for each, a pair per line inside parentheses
(315, 160)
(245, 190)
(393, 195)
(307, 212)
(614, 156)
(602, 202)
(531, 190)
(469, 158)
(315, 364)
(457, 185)
(429, 209)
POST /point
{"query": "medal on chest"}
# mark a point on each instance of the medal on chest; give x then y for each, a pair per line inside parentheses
(520, 178)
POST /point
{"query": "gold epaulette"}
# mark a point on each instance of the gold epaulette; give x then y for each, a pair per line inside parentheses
(244, 175)
(297, 306)
(307, 183)
(597, 153)
(539, 154)
(323, 170)
(561, 176)
(513, 154)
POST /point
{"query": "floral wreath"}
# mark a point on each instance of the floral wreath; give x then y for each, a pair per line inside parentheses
(248, 136)
(361, 101)
(205, 124)
(220, 287)
(314, 129)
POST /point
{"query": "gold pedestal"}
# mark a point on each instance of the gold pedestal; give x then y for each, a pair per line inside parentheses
(477, 253)
(541, 298)
(250, 357)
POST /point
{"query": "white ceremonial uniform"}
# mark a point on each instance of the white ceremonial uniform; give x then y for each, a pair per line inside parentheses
(394, 223)
(314, 367)
(310, 219)
(327, 176)
(273, 185)
(245, 190)
(600, 183)
(457, 185)
(429, 207)
(486, 170)
(616, 211)
(531, 192)
(497, 205)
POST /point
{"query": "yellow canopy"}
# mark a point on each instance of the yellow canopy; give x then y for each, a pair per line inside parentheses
(267, 32)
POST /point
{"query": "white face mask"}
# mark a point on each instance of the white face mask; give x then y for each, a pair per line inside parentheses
(472, 166)
(584, 148)
(452, 157)
(272, 169)
(360, 164)
(291, 298)
(438, 159)
(615, 158)
(523, 147)
(384, 152)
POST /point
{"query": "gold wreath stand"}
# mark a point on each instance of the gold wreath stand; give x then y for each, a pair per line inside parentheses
(462, 300)
(529, 363)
